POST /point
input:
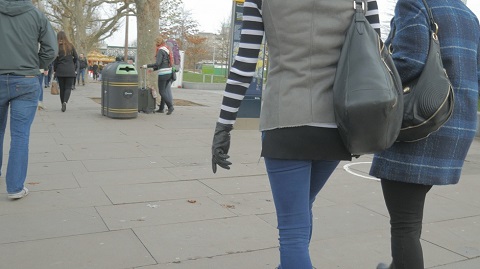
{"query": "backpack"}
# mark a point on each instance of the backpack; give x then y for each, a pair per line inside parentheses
(175, 50)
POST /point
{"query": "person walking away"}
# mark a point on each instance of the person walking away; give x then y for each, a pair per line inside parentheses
(20, 62)
(301, 144)
(76, 75)
(82, 65)
(64, 67)
(95, 71)
(41, 77)
(409, 170)
(48, 79)
(163, 64)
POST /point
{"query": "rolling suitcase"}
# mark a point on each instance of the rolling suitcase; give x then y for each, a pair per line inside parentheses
(146, 101)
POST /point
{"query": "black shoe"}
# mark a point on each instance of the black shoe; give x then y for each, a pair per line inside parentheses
(170, 111)
(46, 86)
(159, 110)
(64, 107)
(385, 266)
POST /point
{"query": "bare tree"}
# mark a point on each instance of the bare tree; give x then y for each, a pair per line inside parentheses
(181, 26)
(223, 43)
(86, 22)
(148, 15)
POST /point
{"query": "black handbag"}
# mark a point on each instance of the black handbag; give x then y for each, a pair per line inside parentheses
(429, 99)
(367, 91)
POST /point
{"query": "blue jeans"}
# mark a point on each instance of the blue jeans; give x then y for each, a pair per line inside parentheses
(81, 74)
(295, 184)
(21, 95)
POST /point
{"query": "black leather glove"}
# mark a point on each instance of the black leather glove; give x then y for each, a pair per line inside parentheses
(220, 146)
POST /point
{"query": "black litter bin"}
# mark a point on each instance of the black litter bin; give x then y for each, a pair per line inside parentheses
(119, 90)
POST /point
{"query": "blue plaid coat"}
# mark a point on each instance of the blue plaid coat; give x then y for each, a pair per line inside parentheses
(437, 160)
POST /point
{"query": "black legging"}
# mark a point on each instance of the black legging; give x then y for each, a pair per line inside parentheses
(165, 91)
(65, 84)
(405, 202)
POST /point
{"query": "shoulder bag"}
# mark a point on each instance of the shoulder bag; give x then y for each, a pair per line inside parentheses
(429, 99)
(367, 91)
(54, 88)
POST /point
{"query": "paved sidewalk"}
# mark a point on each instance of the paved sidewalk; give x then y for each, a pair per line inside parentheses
(139, 193)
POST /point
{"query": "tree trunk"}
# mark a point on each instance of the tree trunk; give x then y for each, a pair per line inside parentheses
(147, 31)
(80, 35)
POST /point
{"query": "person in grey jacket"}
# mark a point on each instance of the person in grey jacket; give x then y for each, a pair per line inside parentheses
(301, 144)
(22, 28)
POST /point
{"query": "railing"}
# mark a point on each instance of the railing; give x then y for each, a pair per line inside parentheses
(205, 76)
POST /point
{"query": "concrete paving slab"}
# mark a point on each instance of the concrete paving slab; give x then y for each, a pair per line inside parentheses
(47, 157)
(55, 168)
(246, 204)
(125, 163)
(55, 200)
(237, 185)
(366, 250)
(148, 192)
(125, 216)
(101, 154)
(465, 264)
(457, 235)
(119, 177)
(192, 159)
(465, 191)
(49, 224)
(194, 240)
(205, 172)
(258, 259)
(51, 182)
(354, 190)
(47, 182)
(117, 249)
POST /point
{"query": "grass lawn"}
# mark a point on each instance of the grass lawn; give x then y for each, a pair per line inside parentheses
(194, 77)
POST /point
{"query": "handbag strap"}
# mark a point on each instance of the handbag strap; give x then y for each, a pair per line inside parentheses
(433, 24)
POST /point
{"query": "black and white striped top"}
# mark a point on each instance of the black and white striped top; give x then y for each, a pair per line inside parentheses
(243, 68)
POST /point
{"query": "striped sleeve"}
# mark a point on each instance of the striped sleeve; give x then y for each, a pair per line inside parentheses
(245, 62)
(372, 15)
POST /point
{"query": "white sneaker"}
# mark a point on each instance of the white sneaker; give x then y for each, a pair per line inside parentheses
(41, 106)
(19, 194)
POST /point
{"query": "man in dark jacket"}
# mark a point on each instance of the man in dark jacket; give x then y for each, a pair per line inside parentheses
(28, 45)
(82, 65)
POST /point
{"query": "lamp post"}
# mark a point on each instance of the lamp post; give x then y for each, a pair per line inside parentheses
(125, 52)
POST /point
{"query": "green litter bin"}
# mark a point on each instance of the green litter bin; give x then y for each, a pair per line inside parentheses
(119, 91)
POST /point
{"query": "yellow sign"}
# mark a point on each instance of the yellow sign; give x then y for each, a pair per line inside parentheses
(240, 1)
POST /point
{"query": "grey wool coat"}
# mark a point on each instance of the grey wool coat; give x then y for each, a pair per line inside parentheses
(438, 159)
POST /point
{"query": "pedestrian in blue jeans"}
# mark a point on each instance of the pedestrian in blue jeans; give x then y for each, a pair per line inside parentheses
(41, 78)
(20, 61)
(20, 93)
(301, 144)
